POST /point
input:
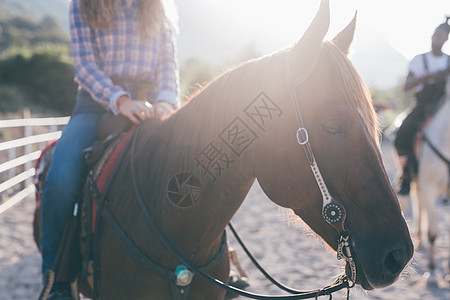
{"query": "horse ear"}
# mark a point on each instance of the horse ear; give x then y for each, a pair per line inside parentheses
(344, 38)
(307, 47)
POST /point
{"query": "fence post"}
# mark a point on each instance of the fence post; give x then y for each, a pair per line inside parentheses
(20, 156)
(11, 156)
(27, 131)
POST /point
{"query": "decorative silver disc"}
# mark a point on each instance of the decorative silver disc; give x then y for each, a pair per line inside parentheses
(332, 212)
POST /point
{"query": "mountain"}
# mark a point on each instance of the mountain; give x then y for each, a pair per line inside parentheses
(208, 33)
(38, 9)
(380, 65)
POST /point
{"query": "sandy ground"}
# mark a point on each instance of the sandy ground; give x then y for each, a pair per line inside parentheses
(288, 251)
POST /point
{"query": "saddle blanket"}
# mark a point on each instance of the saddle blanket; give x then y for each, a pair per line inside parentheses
(102, 170)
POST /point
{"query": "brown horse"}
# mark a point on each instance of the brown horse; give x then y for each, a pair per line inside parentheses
(195, 168)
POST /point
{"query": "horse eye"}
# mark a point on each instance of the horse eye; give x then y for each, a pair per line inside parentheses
(333, 127)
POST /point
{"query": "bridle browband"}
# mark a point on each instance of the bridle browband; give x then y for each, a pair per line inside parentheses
(332, 211)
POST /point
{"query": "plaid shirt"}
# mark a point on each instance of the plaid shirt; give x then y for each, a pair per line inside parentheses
(121, 51)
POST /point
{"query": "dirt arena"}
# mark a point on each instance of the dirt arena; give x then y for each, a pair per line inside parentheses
(287, 250)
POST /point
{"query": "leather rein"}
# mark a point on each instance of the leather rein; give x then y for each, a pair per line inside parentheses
(435, 149)
(189, 268)
(332, 211)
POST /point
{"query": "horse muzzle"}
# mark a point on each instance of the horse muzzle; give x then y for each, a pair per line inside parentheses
(371, 275)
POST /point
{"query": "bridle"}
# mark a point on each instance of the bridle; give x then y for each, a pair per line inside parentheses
(332, 211)
(189, 268)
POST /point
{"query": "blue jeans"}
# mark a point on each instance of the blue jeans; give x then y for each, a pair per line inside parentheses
(66, 176)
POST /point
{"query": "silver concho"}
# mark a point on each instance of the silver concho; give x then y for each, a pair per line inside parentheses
(332, 212)
(184, 275)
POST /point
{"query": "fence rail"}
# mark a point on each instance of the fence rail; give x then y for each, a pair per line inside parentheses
(17, 155)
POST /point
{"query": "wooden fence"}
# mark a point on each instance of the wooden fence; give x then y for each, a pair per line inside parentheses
(20, 144)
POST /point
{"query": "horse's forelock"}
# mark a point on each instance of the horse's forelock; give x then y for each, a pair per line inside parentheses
(357, 93)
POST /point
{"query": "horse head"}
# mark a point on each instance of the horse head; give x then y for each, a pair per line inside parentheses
(336, 111)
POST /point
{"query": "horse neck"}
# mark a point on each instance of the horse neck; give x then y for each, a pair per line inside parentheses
(207, 140)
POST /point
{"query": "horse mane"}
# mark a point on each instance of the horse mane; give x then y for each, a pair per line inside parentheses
(211, 109)
(201, 119)
(218, 95)
(356, 91)
(172, 143)
(219, 102)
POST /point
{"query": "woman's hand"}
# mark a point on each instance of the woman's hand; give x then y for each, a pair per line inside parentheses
(162, 108)
(136, 111)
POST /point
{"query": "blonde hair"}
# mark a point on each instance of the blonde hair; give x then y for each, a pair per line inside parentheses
(151, 13)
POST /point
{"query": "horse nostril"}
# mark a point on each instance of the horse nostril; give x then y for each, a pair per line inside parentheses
(394, 262)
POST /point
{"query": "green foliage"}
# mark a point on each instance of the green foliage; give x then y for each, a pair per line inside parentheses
(20, 31)
(392, 102)
(11, 98)
(394, 98)
(195, 73)
(36, 67)
(43, 76)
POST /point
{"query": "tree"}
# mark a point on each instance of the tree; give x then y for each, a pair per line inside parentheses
(43, 76)
(20, 31)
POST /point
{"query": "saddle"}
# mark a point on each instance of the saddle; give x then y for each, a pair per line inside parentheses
(408, 137)
(75, 253)
(428, 102)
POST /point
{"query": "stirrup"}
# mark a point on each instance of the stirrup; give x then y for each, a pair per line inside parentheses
(236, 281)
(240, 280)
(49, 280)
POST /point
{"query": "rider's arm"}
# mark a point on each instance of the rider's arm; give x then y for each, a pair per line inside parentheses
(86, 59)
(412, 81)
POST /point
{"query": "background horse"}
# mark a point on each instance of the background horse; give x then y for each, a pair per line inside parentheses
(432, 180)
(195, 167)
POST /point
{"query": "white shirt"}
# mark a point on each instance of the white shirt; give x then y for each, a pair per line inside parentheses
(434, 63)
